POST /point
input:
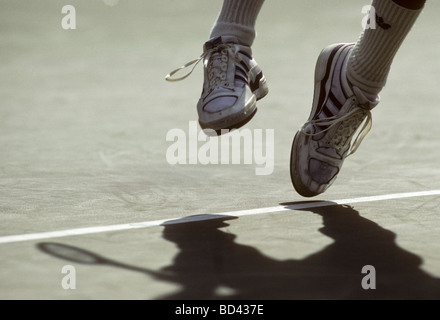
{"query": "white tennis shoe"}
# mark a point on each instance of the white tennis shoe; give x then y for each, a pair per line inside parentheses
(233, 82)
(326, 139)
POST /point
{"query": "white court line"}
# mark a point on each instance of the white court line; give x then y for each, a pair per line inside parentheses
(155, 223)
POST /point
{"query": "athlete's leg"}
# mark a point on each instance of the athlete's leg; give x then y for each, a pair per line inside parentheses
(348, 79)
(373, 54)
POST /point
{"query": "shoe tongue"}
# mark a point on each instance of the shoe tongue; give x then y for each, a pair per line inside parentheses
(228, 39)
(365, 98)
(214, 42)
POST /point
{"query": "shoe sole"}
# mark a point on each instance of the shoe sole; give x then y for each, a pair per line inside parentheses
(323, 70)
(294, 176)
(228, 128)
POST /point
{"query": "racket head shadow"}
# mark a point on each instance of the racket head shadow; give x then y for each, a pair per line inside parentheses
(71, 253)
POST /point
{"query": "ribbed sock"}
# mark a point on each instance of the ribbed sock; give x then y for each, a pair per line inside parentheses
(237, 18)
(373, 54)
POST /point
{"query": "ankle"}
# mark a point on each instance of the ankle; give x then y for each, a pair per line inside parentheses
(244, 34)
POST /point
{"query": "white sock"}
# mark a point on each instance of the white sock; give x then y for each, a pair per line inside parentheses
(372, 56)
(237, 18)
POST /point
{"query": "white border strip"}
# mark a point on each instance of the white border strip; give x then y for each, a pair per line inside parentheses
(155, 223)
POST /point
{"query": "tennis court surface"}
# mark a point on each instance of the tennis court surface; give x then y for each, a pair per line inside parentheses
(92, 206)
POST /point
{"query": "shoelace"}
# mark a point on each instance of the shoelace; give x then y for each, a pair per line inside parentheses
(219, 53)
(350, 121)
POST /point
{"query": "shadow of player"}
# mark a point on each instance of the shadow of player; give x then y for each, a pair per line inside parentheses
(210, 259)
(211, 265)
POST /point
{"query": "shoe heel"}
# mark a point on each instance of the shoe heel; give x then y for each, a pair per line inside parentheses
(321, 68)
(262, 90)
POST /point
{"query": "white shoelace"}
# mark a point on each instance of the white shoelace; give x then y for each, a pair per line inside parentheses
(214, 78)
(350, 124)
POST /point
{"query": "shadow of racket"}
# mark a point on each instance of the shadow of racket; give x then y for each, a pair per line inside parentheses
(78, 255)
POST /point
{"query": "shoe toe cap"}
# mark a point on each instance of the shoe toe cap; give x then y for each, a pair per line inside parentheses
(220, 104)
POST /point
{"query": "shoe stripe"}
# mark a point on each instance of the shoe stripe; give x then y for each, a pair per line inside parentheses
(325, 113)
(341, 85)
(245, 54)
(244, 65)
(336, 103)
(337, 77)
(255, 84)
(331, 107)
(333, 102)
(322, 94)
(240, 77)
(241, 73)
